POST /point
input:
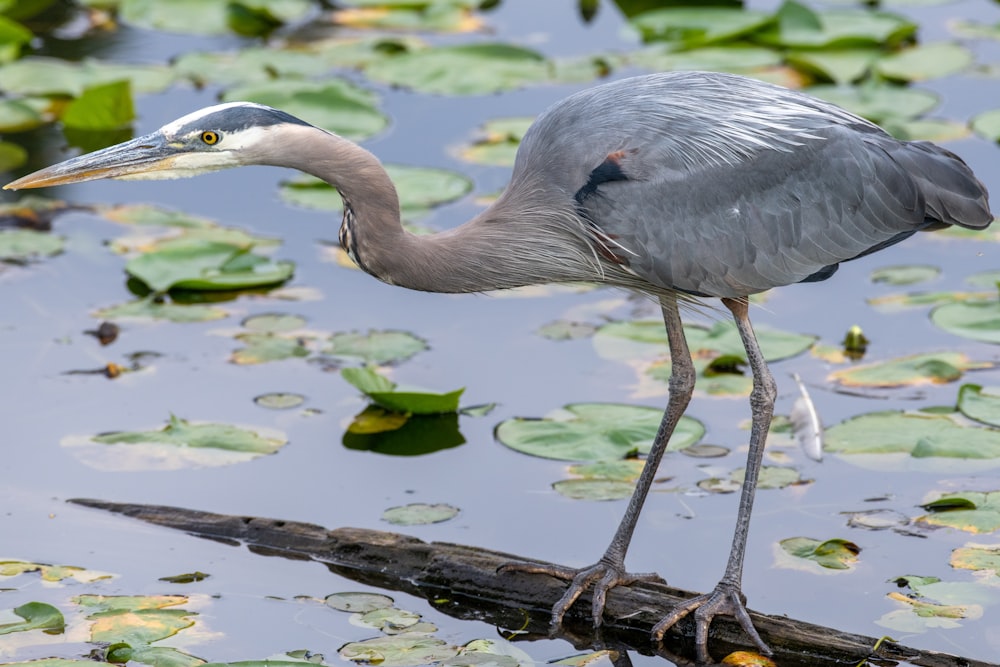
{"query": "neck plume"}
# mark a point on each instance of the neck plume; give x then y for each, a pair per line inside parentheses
(522, 239)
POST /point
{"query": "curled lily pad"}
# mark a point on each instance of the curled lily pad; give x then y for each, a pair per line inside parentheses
(106, 106)
(971, 511)
(12, 156)
(980, 403)
(37, 616)
(594, 432)
(833, 554)
(401, 399)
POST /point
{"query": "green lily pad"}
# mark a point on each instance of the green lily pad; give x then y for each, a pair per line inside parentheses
(12, 156)
(925, 61)
(21, 115)
(155, 656)
(419, 188)
(151, 309)
(594, 432)
(21, 245)
(203, 17)
(375, 347)
(916, 435)
(391, 396)
(207, 266)
(51, 573)
(37, 616)
(376, 419)
(248, 65)
(567, 330)
(699, 26)
(894, 302)
(920, 615)
(333, 104)
(37, 76)
(389, 620)
(405, 650)
(13, 38)
(842, 66)
(879, 103)
(799, 27)
(185, 578)
(738, 58)
(419, 514)
(905, 275)
(625, 470)
(155, 216)
(274, 323)
(977, 557)
(592, 659)
(358, 603)
(279, 400)
(464, 69)
(918, 369)
(771, 477)
(182, 433)
(496, 652)
(106, 106)
(594, 489)
(497, 142)
(115, 604)
(977, 320)
(980, 403)
(987, 124)
(927, 129)
(970, 511)
(451, 17)
(263, 347)
(835, 554)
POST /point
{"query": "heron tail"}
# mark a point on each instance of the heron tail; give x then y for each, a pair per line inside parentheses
(952, 193)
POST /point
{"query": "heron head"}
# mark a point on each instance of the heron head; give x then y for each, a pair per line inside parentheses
(213, 138)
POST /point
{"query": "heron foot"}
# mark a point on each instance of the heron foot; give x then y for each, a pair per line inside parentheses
(603, 575)
(726, 599)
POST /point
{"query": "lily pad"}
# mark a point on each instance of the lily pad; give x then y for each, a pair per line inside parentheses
(263, 347)
(594, 489)
(51, 573)
(207, 265)
(980, 403)
(921, 615)
(567, 330)
(978, 320)
(375, 347)
(930, 368)
(333, 104)
(395, 398)
(274, 323)
(360, 603)
(594, 432)
(21, 245)
(21, 115)
(977, 557)
(771, 477)
(419, 514)
(405, 650)
(970, 511)
(106, 106)
(800, 27)
(925, 61)
(156, 216)
(450, 17)
(37, 76)
(987, 124)
(905, 275)
(464, 69)
(12, 156)
(152, 309)
(37, 616)
(699, 26)
(738, 58)
(834, 554)
(498, 141)
(842, 66)
(879, 103)
(203, 17)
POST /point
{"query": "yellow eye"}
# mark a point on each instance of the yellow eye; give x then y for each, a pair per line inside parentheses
(210, 138)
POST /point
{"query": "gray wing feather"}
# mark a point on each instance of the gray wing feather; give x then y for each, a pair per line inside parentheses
(727, 186)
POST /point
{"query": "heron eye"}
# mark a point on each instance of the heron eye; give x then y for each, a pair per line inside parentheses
(210, 138)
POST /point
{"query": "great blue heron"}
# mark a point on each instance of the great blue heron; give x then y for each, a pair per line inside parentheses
(678, 185)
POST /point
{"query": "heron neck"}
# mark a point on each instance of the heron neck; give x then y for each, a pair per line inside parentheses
(511, 244)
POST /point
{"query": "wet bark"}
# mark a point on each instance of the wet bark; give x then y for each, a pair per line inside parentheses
(463, 582)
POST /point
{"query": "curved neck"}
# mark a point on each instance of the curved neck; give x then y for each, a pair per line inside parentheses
(522, 239)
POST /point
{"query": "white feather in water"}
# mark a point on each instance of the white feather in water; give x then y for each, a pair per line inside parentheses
(806, 425)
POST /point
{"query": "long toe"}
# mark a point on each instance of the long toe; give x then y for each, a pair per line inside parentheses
(724, 600)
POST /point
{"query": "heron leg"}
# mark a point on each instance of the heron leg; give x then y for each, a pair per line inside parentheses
(728, 598)
(609, 571)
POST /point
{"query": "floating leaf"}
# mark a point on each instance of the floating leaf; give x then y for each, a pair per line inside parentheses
(375, 347)
(186, 578)
(878, 103)
(274, 322)
(905, 275)
(594, 432)
(738, 58)
(978, 320)
(333, 104)
(977, 557)
(930, 368)
(42, 76)
(397, 434)
(51, 573)
(392, 397)
(405, 650)
(920, 435)
(927, 129)
(834, 29)
(207, 266)
(12, 156)
(771, 477)
(971, 511)
(498, 142)
(464, 69)
(835, 554)
(358, 602)
(279, 400)
(980, 403)
(987, 124)
(21, 245)
(842, 66)
(925, 61)
(567, 330)
(266, 347)
(150, 308)
(37, 616)
(691, 27)
(919, 615)
(594, 489)
(419, 514)
(203, 17)
(105, 106)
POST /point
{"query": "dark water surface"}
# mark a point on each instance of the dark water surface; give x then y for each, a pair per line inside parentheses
(485, 343)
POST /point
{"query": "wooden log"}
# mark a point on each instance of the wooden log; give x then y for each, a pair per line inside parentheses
(463, 582)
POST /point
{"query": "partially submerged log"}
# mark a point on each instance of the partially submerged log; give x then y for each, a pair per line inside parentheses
(463, 582)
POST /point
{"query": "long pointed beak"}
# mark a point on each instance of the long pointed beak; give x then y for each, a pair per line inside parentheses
(139, 158)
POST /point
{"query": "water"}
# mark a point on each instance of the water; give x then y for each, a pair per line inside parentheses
(484, 343)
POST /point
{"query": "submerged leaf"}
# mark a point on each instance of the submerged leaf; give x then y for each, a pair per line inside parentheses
(834, 554)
